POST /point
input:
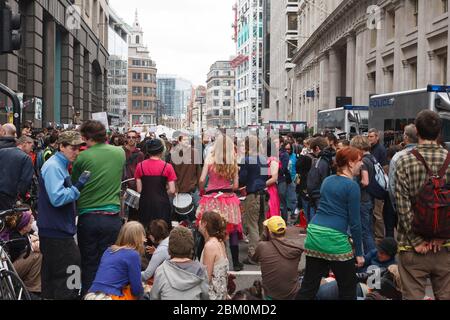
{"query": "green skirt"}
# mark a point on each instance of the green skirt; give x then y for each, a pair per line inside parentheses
(329, 244)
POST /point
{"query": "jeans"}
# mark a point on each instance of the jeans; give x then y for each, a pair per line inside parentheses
(58, 255)
(367, 226)
(95, 234)
(282, 193)
(330, 291)
(345, 272)
(292, 197)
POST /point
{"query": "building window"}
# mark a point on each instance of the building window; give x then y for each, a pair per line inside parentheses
(147, 77)
(147, 91)
(292, 21)
(227, 113)
(137, 77)
(216, 93)
(227, 93)
(390, 25)
(216, 103)
(147, 105)
(216, 113)
(415, 4)
(216, 83)
(136, 63)
(227, 103)
(137, 104)
(137, 91)
(137, 39)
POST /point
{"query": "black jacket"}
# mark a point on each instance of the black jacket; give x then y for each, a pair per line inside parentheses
(7, 142)
(16, 172)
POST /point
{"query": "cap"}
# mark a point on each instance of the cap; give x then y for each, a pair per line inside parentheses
(71, 137)
(388, 246)
(276, 225)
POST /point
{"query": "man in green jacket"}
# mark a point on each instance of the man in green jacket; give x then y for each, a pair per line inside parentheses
(99, 222)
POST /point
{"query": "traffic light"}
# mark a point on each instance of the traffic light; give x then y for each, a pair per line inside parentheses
(10, 37)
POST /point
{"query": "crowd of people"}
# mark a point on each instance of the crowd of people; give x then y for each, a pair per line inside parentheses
(353, 197)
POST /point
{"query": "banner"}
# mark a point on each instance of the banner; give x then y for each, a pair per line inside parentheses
(102, 117)
(38, 109)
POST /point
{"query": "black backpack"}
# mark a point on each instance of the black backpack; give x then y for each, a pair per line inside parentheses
(315, 180)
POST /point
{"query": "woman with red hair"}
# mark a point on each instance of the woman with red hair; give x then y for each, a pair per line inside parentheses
(327, 244)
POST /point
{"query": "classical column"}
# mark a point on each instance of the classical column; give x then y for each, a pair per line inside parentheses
(324, 81)
(360, 83)
(433, 68)
(350, 74)
(400, 30)
(425, 16)
(406, 73)
(49, 71)
(78, 82)
(34, 56)
(335, 77)
(67, 82)
(87, 87)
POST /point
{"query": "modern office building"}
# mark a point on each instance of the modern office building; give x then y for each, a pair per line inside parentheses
(174, 94)
(117, 71)
(248, 62)
(142, 102)
(220, 102)
(61, 66)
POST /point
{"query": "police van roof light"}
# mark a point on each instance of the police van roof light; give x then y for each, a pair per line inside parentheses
(438, 88)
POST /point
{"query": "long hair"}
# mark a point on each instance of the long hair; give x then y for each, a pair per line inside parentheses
(224, 157)
(216, 226)
(131, 236)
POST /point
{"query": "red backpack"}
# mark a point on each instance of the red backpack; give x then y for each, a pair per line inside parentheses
(432, 205)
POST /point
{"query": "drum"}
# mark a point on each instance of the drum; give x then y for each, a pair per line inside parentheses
(183, 204)
(132, 199)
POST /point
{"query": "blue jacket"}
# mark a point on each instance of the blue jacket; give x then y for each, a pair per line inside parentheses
(254, 174)
(284, 159)
(16, 172)
(57, 199)
(371, 259)
(292, 165)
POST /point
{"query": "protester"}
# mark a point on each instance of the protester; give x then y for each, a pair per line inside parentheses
(284, 179)
(180, 278)
(422, 256)
(214, 255)
(119, 274)
(272, 189)
(364, 179)
(155, 181)
(8, 139)
(133, 156)
(16, 174)
(28, 267)
(222, 172)
(327, 245)
(159, 236)
(291, 188)
(99, 222)
(253, 177)
(279, 259)
(56, 218)
(379, 152)
(26, 144)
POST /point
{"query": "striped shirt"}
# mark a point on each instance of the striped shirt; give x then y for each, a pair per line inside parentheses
(410, 177)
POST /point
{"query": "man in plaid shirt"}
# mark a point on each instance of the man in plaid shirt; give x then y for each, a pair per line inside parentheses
(419, 258)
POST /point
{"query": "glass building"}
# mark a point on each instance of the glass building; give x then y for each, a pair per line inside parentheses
(174, 95)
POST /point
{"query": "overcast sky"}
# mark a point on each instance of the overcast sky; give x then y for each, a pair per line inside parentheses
(184, 36)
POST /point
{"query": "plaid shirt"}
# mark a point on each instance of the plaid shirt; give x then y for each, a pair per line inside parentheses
(409, 178)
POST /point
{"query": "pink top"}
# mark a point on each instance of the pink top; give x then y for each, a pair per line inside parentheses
(153, 167)
(216, 182)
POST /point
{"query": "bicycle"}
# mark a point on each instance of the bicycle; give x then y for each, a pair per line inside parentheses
(11, 286)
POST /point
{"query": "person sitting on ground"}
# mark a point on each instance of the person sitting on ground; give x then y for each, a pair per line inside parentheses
(180, 278)
(28, 267)
(159, 235)
(279, 259)
(119, 274)
(214, 255)
(383, 256)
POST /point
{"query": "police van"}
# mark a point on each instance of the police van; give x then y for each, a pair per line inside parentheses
(391, 112)
(348, 120)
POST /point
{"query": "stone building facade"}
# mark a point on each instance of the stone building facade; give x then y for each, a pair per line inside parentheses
(400, 45)
(61, 63)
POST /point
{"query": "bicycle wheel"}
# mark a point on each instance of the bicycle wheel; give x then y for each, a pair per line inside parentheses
(12, 287)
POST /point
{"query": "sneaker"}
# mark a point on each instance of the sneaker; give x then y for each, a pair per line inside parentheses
(250, 262)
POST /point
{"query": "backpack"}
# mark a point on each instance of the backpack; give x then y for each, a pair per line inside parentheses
(314, 180)
(432, 205)
(379, 181)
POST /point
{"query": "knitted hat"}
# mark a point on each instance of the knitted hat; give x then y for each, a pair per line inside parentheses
(154, 146)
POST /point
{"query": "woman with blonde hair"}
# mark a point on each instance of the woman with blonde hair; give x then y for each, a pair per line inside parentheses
(222, 171)
(119, 274)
